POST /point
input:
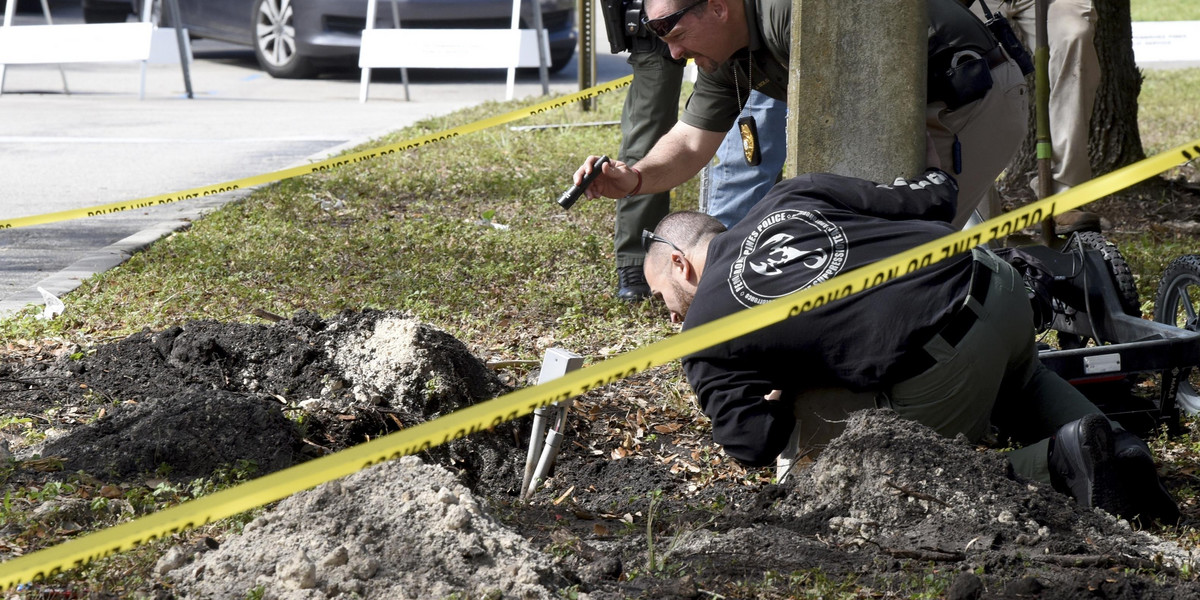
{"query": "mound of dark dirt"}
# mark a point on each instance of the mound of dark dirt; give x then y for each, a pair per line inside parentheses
(898, 488)
(190, 434)
(626, 517)
(185, 400)
(887, 495)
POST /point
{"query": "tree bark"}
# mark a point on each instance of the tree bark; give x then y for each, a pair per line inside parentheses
(1115, 140)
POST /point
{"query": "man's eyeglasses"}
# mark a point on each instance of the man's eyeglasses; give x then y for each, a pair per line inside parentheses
(663, 25)
(649, 237)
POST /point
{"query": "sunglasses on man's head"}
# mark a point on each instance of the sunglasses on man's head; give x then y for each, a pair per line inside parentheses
(663, 25)
(649, 237)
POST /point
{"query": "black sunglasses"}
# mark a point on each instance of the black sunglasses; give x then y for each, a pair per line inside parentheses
(663, 25)
(649, 237)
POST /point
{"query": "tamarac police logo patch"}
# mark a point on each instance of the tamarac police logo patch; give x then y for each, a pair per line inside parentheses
(789, 250)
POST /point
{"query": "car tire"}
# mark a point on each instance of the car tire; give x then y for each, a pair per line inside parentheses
(98, 11)
(275, 40)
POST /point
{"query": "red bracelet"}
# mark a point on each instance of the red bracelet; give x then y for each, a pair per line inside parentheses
(637, 187)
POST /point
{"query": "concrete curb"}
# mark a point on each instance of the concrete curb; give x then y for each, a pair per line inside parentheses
(113, 255)
(70, 278)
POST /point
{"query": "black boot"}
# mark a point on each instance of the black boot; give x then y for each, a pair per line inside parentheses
(1108, 469)
(1150, 500)
(1081, 462)
(631, 284)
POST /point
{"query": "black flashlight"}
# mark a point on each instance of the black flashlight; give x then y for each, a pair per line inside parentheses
(568, 198)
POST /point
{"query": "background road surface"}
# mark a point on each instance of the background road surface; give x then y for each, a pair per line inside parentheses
(100, 144)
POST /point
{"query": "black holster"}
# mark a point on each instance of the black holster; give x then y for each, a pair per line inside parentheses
(623, 24)
(959, 79)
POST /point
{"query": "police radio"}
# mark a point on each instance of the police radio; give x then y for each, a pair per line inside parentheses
(1003, 32)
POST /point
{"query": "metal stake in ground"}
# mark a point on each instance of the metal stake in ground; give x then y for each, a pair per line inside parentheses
(543, 446)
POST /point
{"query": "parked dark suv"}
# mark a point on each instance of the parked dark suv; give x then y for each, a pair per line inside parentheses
(293, 38)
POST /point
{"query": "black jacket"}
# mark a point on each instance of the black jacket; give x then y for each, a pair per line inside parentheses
(805, 231)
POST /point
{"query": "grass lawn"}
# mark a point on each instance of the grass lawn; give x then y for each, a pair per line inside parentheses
(1164, 10)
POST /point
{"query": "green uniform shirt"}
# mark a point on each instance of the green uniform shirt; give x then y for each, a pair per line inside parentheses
(715, 101)
(718, 97)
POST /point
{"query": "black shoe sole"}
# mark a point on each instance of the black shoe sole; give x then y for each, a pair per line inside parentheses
(1085, 446)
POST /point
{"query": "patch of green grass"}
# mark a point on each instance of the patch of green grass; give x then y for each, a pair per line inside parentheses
(807, 583)
(1148, 255)
(405, 232)
(1164, 10)
(1167, 114)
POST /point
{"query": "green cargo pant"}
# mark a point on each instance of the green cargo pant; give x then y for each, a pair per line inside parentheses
(651, 109)
(991, 377)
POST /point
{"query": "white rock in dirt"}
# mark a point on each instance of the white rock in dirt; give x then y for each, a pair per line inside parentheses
(175, 558)
(360, 537)
(298, 573)
(337, 558)
(457, 517)
(374, 362)
(446, 496)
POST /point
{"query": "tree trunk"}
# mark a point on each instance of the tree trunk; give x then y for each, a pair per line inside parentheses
(1115, 139)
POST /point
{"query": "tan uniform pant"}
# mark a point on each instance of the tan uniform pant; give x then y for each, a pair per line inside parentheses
(990, 131)
(1074, 78)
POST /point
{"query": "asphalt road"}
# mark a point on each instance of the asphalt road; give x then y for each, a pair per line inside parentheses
(100, 143)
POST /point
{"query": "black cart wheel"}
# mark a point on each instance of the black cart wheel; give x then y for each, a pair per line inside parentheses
(1177, 301)
(1119, 269)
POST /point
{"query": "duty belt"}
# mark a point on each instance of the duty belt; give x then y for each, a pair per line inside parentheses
(918, 360)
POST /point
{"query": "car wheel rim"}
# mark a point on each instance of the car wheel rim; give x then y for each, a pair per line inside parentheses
(275, 33)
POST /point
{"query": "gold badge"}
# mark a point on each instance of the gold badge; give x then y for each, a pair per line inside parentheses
(749, 132)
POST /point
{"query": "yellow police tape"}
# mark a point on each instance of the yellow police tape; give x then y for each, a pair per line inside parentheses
(278, 485)
(325, 165)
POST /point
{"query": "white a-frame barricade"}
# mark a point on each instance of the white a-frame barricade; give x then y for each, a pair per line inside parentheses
(453, 48)
(102, 42)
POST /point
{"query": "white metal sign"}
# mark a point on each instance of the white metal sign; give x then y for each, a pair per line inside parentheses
(109, 42)
(1166, 41)
(90, 43)
(449, 48)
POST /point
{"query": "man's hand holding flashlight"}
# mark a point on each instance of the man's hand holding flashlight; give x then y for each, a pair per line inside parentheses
(616, 179)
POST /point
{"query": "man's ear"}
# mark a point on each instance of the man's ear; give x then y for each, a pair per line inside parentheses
(719, 8)
(682, 266)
